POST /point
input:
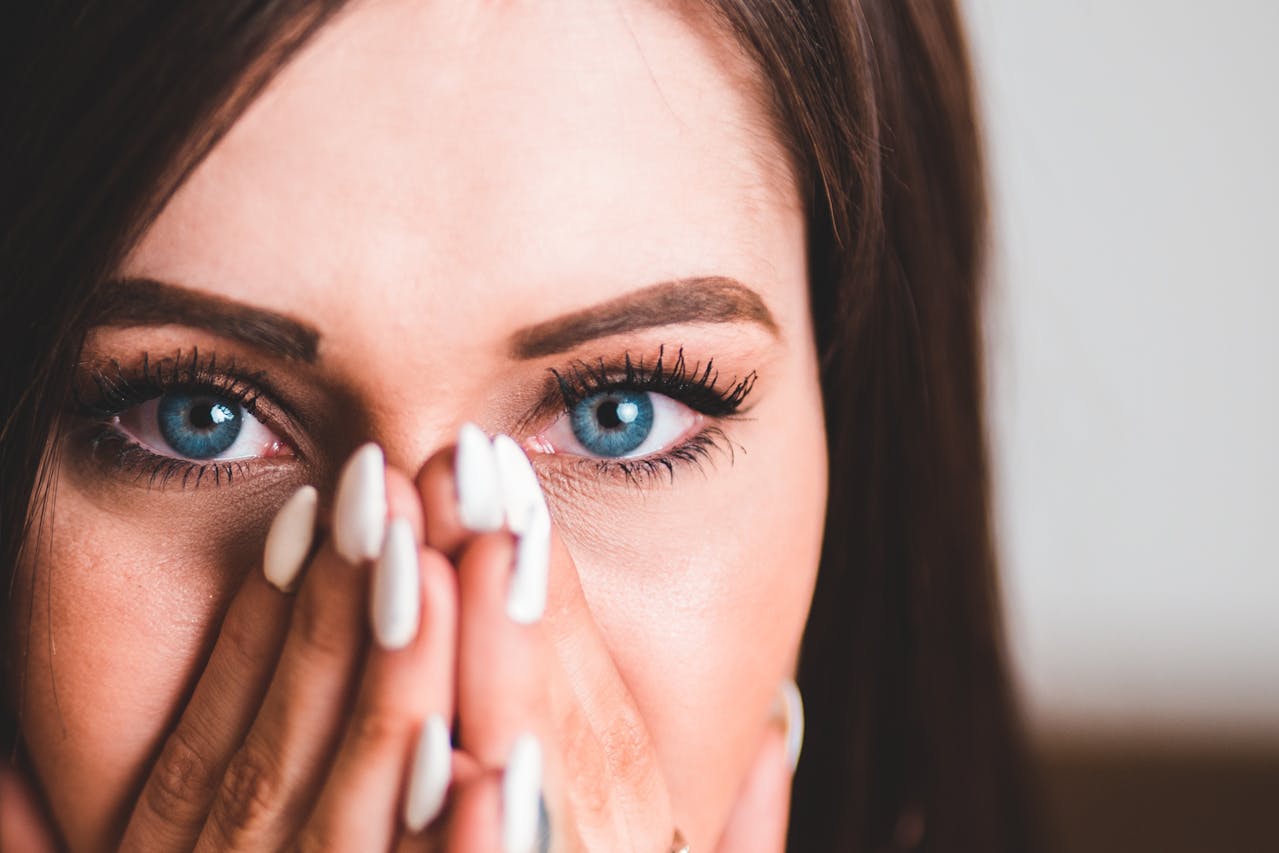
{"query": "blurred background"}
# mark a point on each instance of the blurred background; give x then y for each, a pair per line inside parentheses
(1134, 374)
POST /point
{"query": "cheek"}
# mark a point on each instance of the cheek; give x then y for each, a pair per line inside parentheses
(121, 612)
(702, 590)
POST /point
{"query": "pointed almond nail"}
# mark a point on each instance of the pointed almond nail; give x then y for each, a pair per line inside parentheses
(522, 796)
(396, 597)
(359, 511)
(526, 594)
(430, 776)
(521, 491)
(788, 709)
(527, 516)
(288, 542)
(479, 493)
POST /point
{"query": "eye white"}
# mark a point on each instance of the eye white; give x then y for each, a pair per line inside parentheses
(141, 423)
(672, 422)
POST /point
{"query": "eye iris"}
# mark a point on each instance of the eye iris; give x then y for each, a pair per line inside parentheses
(613, 423)
(198, 426)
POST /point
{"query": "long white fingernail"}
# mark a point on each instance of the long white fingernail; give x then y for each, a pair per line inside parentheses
(289, 540)
(395, 601)
(526, 594)
(527, 517)
(522, 795)
(429, 778)
(479, 493)
(521, 492)
(359, 511)
(789, 708)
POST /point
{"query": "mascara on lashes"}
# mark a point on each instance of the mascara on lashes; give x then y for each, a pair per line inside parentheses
(695, 386)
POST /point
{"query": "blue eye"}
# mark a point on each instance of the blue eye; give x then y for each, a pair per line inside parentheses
(619, 423)
(613, 423)
(198, 426)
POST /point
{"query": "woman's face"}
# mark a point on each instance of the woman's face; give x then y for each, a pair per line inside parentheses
(432, 207)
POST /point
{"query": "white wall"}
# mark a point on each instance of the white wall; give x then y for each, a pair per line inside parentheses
(1135, 359)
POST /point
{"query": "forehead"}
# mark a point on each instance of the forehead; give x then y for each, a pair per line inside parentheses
(570, 150)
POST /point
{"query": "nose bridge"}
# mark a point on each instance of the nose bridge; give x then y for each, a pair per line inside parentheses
(407, 374)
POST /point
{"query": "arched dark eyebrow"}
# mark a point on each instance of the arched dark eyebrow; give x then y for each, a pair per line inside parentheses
(709, 299)
(143, 302)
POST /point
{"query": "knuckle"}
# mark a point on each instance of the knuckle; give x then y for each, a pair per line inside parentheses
(627, 750)
(312, 840)
(321, 633)
(584, 762)
(376, 727)
(182, 779)
(242, 640)
(247, 798)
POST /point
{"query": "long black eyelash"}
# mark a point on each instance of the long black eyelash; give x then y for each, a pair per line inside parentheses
(694, 452)
(114, 390)
(162, 471)
(696, 387)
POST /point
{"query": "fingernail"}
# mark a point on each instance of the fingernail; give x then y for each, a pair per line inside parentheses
(395, 601)
(479, 493)
(289, 540)
(359, 513)
(788, 709)
(522, 796)
(527, 517)
(526, 594)
(430, 776)
(521, 492)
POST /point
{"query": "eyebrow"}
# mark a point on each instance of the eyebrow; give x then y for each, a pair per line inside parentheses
(704, 299)
(144, 302)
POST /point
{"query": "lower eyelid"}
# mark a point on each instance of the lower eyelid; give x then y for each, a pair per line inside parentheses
(697, 452)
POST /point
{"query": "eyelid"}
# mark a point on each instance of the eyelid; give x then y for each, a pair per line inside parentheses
(116, 388)
(147, 435)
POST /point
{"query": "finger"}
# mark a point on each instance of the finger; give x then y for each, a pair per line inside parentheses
(23, 825)
(435, 838)
(403, 501)
(460, 492)
(609, 768)
(501, 664)
(178, 792)
(613, 779)
(396, 747)
(275, 773)
(757, 823)
(505, 810)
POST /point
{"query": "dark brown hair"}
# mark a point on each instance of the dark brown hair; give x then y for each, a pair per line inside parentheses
(912, 737)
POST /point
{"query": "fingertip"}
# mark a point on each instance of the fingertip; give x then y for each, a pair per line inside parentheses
(476, 814)
(403, 501)
(759, 817)
(437, 491)
(23, 825)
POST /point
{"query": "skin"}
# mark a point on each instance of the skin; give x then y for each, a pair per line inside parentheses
(421, 182)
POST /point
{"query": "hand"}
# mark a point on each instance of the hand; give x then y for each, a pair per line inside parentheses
(603, 787)
(298, 730)
(301, 733)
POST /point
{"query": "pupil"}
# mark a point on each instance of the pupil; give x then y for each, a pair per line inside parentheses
(205, 414)
(612, 414)
(608, 414)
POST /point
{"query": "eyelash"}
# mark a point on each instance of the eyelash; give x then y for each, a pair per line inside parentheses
(696, 387)
(116, 391)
